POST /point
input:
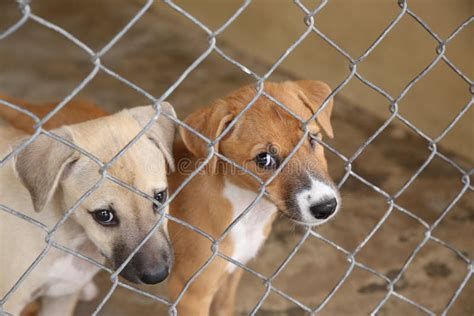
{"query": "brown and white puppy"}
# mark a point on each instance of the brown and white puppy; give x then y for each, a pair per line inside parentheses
(261, 139)
(47, 178)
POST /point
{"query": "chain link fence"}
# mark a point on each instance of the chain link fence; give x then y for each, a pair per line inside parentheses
(352, 62)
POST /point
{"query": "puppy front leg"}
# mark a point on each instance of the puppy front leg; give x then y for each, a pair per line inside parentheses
(223, 303)
(198, 298)
(59, 305)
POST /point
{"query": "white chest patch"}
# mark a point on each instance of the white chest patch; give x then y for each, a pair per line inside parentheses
(68, 274)
(248, 234)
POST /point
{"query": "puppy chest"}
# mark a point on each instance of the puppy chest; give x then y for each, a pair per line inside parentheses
(248, 235)
(67, 275)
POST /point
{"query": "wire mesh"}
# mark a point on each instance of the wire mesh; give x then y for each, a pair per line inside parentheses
(352, 62)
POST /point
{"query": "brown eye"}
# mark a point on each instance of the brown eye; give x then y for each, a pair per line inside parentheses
(161, 198)
(105, 217)
(266, 160)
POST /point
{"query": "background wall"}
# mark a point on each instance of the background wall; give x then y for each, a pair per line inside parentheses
(267, 27)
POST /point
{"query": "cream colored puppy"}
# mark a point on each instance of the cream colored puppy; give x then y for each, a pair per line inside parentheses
(47, 177)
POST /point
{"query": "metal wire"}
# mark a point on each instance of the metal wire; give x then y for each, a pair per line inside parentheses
(311, 30)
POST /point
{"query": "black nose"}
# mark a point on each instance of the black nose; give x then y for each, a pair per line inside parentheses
(323, 210)
(160, 274)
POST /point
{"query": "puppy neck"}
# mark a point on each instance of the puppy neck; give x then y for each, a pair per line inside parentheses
(242, 198)
(251, 230)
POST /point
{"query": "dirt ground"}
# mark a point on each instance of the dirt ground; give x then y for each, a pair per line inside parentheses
(37, 64)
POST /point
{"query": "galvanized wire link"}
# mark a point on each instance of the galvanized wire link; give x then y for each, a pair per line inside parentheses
(310, 17)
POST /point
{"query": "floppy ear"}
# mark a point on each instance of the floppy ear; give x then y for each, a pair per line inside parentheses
(162, 133)
(43, 164)
(314, 93)
(210, 122)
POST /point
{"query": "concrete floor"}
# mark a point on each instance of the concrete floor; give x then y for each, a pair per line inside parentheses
(39, 65)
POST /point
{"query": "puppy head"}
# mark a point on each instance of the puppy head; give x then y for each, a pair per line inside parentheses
(114, 218)
(264, 136)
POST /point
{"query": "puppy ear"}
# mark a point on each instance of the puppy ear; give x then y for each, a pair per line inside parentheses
(162, 133)
(314, 93)
(210, 122)
(43, 164)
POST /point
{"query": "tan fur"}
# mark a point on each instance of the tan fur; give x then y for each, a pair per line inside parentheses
(201, 202)
(47, 178)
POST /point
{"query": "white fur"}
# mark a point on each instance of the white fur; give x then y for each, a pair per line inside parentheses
(248, 234)
(89, 292)
(68, 274)
(317, 193)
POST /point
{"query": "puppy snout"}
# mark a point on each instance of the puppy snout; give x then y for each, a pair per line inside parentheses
(317, 202)
(150, 265)
(147, 269)
(324, 209)
(159, 274)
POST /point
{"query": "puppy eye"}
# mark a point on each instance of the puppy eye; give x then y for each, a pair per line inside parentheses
(105, 217)
(314, 138)
(161, 197)
(266, 160)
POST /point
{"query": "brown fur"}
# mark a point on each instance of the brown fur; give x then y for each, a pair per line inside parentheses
(201, 202)
(74, 112)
